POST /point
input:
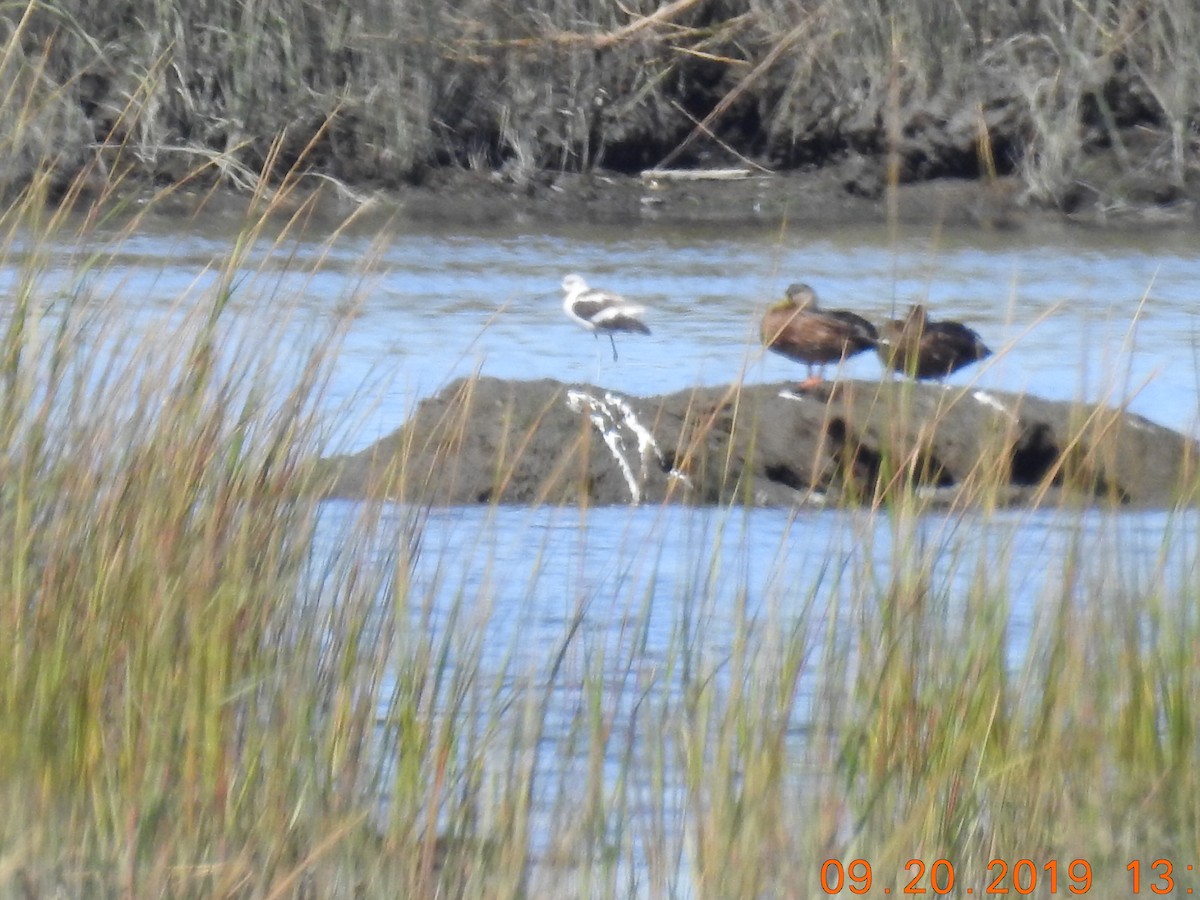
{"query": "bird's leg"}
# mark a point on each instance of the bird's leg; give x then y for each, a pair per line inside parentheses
(614, 346)
(812, 380)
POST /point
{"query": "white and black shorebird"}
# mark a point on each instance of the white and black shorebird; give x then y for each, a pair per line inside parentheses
(598, 310)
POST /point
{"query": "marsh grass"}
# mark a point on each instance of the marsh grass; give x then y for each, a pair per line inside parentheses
(199, 704)
(215, 685)
(375, 92)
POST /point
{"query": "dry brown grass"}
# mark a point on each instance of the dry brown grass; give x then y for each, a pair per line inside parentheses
(383, 92)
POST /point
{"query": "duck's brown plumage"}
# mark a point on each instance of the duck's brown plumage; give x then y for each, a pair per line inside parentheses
(922, 348)
(798, 329)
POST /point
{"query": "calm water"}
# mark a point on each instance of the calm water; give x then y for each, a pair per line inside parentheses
(1077, 313)
(1088, 315)
(1093, 315)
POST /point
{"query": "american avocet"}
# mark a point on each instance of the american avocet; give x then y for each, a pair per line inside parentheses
(919, 347)
(798, 329)
(601, 310)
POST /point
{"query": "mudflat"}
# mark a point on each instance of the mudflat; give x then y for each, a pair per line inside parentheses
(495, 440)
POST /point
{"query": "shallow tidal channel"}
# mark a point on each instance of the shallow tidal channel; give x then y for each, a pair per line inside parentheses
(1096, 315)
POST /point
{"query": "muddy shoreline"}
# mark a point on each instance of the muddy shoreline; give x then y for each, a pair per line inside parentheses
(818, 198)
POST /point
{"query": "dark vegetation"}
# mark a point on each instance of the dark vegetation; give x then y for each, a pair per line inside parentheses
(1086, 100)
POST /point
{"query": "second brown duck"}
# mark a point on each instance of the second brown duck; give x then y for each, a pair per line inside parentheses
(919, 347)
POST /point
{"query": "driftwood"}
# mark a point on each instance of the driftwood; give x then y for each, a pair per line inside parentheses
(651, 175)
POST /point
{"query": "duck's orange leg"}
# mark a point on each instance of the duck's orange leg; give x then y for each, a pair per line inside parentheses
(812, 380)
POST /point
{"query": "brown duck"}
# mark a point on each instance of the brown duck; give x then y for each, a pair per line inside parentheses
(919, 347)
(798, 329)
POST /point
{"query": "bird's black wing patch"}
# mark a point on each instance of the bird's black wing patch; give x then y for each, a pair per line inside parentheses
(623, 323)
(587, 309)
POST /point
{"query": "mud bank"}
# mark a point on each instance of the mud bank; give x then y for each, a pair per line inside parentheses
(818, 198)
(811, 199)
(491, 440)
